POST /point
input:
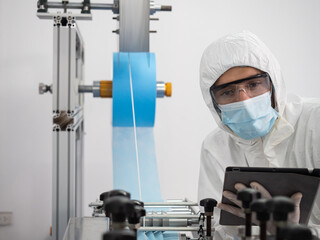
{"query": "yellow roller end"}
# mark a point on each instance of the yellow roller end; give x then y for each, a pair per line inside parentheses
(168, 89)
(106, 89)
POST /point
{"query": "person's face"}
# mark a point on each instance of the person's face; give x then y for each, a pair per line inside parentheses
(236, 73)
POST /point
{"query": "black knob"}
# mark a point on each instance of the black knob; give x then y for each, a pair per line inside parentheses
(120, 235)
(138, 203)
(248, 195)
(280, 206)
(138, 212)
(208, 204)
(119, 207)
(118, 192)
(260, 207)
(295, 232)
(113, 193)
(104, 196)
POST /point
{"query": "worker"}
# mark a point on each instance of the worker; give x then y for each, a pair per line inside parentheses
(258, 124)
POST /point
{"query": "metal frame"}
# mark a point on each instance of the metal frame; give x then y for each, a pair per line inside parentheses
(68, 127)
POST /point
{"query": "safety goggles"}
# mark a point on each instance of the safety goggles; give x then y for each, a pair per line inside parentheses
(252, 86)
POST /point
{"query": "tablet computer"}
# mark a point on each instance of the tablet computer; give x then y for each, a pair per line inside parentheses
(278, 181)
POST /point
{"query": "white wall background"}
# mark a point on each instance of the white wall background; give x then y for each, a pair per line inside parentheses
(291, 28)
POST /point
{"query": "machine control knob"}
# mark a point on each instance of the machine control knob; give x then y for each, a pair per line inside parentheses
(248, 195)
(138, 212)
(120, 235)
(119, 207)
(104, 196)
(113, 193)
(138, 203)
(116, 192)
(280, 206)
(295, 232)
(208, 204)
(260, 207)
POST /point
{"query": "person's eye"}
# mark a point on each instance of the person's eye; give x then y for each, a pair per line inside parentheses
(254, 84)
(227, 93)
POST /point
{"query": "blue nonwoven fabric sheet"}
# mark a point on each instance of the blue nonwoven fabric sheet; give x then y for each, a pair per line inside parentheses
(134, 159)
(157, 235)
(134, 100)
(134, 73)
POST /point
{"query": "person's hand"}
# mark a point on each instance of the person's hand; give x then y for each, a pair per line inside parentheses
(293, 217)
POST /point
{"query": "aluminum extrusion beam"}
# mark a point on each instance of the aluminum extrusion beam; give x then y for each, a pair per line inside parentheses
(67, 126)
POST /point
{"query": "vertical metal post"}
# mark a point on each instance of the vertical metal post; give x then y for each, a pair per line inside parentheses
(67, 126)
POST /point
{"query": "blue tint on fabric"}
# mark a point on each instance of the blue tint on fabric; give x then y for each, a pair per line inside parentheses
(170, 235)
(157, 235)
(125, 172)
(124, 141)
(150, 185)
(121, 98)
(141, 235)
(151, 235)
(144, 87)
(250, 119)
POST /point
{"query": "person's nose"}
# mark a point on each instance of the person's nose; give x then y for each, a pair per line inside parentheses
(242, 95)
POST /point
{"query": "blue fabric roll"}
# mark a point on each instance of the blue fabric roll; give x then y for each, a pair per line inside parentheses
(144, 88)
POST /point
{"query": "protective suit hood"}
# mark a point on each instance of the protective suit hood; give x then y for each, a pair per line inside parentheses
(239, 49)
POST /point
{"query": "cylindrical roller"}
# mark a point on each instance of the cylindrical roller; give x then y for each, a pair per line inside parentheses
(167, 222)
(103, 89)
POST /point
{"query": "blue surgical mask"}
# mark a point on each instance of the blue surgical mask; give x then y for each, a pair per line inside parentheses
(250, 119)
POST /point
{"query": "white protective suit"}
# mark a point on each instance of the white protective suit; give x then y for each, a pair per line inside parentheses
(293, 141)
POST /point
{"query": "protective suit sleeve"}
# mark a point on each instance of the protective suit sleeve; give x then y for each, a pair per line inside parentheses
(210, 186)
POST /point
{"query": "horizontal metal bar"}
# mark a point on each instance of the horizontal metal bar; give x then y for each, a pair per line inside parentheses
(154, 204)
(176, 229)
(185, 216)
(169, 204)
(96, 204)
(79, 16)
(94, 6)
(85, 88)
